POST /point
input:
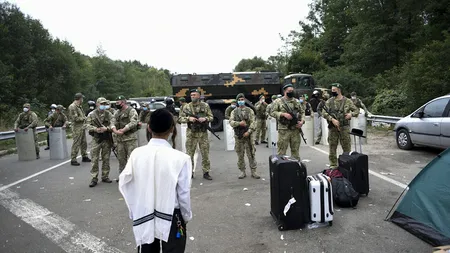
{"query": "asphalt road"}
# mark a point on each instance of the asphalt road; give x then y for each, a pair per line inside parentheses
(56, 211)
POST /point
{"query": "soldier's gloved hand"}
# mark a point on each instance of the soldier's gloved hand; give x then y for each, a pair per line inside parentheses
(242, 123)
(287, 116)
(51, 128)
(246, 134)
(348, 116)
(25, 129)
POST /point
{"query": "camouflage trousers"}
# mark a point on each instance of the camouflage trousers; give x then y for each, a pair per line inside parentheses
(242, 146)
(319, 133)
(289, 138)
(261, 128)
(124, 149)
(104, 149)
(334, 137)
(79, 142)
(202, 140)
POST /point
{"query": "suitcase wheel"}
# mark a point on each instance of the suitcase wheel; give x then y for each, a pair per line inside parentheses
(280, 227)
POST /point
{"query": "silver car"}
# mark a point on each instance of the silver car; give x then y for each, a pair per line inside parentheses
(427, 126)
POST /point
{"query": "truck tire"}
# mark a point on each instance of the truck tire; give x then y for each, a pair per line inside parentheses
(217, 123)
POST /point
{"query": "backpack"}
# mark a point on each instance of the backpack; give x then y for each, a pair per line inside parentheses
(343, 193)
(332, 173)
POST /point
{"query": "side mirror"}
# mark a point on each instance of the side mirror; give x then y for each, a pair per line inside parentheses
(420, 114)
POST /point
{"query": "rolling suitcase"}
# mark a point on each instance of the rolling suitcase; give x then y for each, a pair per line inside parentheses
(355, 166)
(321, 199)
(289, 200)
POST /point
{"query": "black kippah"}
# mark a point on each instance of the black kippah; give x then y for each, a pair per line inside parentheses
(161, 120)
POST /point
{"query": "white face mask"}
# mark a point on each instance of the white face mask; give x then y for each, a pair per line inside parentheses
(25, 109)
(353, 97)
(53, 110)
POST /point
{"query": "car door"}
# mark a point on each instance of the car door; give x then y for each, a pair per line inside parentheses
(426, 127)
(445, 128)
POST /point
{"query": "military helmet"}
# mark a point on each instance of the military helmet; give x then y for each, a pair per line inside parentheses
(91, 103)
(53, 106)
(169, 101)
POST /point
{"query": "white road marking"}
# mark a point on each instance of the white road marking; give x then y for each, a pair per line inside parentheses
(387, 179)
(59, 230)
(35, 174)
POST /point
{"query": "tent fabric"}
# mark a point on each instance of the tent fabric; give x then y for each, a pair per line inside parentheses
(425, 208)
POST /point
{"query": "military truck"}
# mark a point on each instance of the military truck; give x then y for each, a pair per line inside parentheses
(219, 89)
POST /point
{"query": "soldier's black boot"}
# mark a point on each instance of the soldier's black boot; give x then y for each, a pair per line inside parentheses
(106, 180)
(86, 159)
(256, 143)
(93, 183)
(37, 156)
(207, 176)
(265, 142)
(74, 163)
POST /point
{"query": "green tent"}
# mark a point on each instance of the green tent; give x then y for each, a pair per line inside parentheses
(424, 209)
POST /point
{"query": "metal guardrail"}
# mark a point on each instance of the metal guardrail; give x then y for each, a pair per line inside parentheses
(384, 119)
(11, 134)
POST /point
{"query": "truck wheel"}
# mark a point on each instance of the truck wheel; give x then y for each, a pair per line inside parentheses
(217, 123)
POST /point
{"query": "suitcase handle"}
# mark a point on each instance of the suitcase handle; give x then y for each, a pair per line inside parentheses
(357, 132)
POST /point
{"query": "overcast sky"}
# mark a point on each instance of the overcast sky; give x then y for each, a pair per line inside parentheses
(183, 36)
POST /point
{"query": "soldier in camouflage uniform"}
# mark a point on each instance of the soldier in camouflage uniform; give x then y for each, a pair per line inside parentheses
(359, 104)
(243, 121)
(340, 111)
(144, 117)
(57, 119)
(230, 108)
(99, 125)
(125, 126)
(78, 117)
(269, 107)
(182, 101)
(320, 106)
(52, 110)
(109, 108)
(261, 117)
(26, 120)
(196, 132)
(288, 130)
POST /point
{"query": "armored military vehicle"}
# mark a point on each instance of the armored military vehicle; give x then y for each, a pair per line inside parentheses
(219, 89)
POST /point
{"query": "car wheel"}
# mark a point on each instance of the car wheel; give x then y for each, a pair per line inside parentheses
(403, 139)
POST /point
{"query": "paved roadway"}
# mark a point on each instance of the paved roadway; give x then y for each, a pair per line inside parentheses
(56, 211)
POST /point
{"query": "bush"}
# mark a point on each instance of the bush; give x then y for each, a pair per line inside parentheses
(390, 102)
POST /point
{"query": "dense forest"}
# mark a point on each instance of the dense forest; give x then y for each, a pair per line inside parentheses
(394, 54)
(41, 70)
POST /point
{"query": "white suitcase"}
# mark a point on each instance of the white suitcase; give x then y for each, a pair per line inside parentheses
(321, 198)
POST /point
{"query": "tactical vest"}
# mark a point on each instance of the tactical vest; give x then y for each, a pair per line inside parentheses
(240, 115)
(120, 115)
(339, 112)
(24, 120)
(201, 112)
(57, 122)
(290, 124)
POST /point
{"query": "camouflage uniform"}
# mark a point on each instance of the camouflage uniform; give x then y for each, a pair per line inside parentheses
(260, 122)
(126, 142)
(57, 119)
(97, 119)
(269, 107)
(28, 120)
(144, 117)
(200, 137)
(359, 104)
(228, 111)
(245, 144)
(77, 117)
(339, 108)
(288, 136)
(319, 112)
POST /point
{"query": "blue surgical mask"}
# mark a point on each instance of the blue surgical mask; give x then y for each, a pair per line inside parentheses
(241, 103)
(107, 107)
(102, 107)
(145, 108)
(233, 106)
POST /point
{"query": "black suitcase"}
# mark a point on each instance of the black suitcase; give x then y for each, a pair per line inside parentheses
(355, 166)
(288, 180)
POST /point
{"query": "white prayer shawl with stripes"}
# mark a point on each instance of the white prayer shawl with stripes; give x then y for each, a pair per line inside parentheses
(148, 185)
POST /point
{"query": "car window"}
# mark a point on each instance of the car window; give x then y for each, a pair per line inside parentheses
(435, 109)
